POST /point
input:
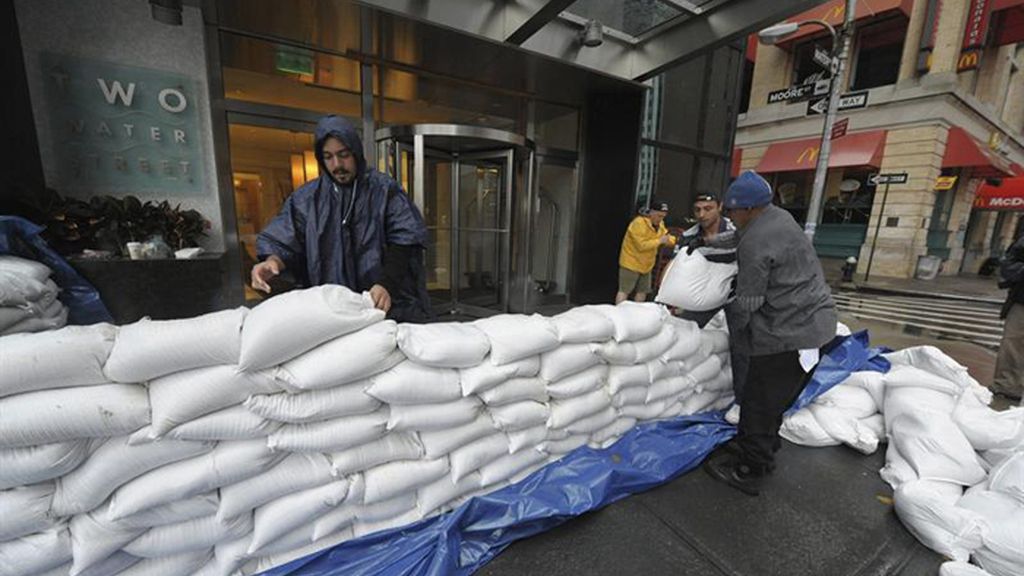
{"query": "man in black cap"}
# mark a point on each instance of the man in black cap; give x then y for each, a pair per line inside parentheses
(645, 235)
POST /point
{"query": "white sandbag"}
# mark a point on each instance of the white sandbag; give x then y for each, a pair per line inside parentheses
(627, 376)
(717, 339)
(516, 336)
(505, 467)
(852, 400)
(53, 317)
(292, 546)
(645, 411)
(363, 527)
(611, 433)
(113, 564)
(801, 427)
(516, 390)
(309, 317)
(150, 348)
(845, 427)
(277, 518)
(519, 415)
(394, 478)
(64, 414)
(437, 443)
(35, 553)
(443, 344)
(721, 383)
(188, 536)
(345, 359)
(988, 429)
(114, 463)
(936, 448)
(583, 324)
(688, 339)
(897, 471)
(344, 514)
(23, 266)
(635, 396)
(933, 361)
(872, 382)
(234, 423)
(411, 383)
(928, 509)
(486, 375)
(565, 445)
(901, 400)
(909, 376)
(439, 494)
(1003, 535)
(569, 410)
(184, 564)
(694, 283)
(578, 384)
(228, 463)
(566, 360)
(634, 320)
(389, 448)
(670, 388)
(71, 356)
(441, 416)
(185, 396)
(295, 473)
(706, 370)
(727, 400)
(34, 464)
(25, 510)
(330, 435)
(674, 408)
(699, 402)
(526, 438)
(94, 539)
(173, 512)
(955, 568)
(593, 423)
(472, 456)
(616, 353)
(659, 368)
(315, 405)
(1008, 478)
(732, 415)
(653, 347)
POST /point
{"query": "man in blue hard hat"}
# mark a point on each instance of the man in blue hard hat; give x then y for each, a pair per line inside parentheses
(782, 315)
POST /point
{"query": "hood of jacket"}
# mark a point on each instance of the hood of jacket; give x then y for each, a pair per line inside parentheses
(343, 130)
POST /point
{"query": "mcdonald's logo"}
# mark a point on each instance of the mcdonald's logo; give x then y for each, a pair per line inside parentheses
(810, 154)
(836, 13)
(968, 61)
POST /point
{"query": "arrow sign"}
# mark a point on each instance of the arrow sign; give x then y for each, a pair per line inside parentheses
(817, 106)
(890, 178)
(849, 101)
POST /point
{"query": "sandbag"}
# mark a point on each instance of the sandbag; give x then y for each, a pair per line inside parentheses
(694, 283)
(295, 473)
(35, 553)
(309, 317)
(508, 466)
(516, 336)
(653, 347)
(659, 368)
(441, 416)
(234, 423)
(635, 396)
(634, 320)
(845, 427)
(470, 457)
(609, 434)
(33, 464)
(933, 361)
(37, 271)
(185, 396)
(344, 514)
(286, 513)
(566, 360)
(670, 388)
(569, 410)
(526, 438)
(114, 463)
(71, 356)
(593, 423)
(315, 405)
(151, 348)
(871, 382)
(687, 342)
(25, 510)
(173, 512)
(583, 324)
(578, 384)
(632, 375)
(852, 400)
(443, 345)
(519, 415)
(411, 383)
(699, 402)
(395, 478)
(565, 445)
(909, 376)
(393, 446)
(183, 564)
(1008, 478)
(516, 390)
(330, 435)
(486, 375)
(64, 414)
(94, 538)
(718, 340)
(988, 429)
(342, 360)
(897, 471)
(188, 536)
(706, 370)
(645, 411)
(437, 443)
(363, 527)
(439, 494)
(928, 509)
(1003, 535)
(616, 353)
(936, 448)
(909, 399)
(955, 568)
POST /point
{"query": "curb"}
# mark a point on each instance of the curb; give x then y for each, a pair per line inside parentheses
(911, 292)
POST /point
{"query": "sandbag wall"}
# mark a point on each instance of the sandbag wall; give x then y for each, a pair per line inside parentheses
(956, 465)
(239, 440)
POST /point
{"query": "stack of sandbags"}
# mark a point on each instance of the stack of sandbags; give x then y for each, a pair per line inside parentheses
(28, 297)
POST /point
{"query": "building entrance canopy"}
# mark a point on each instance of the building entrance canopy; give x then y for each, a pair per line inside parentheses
(963, 151)
(860, 149)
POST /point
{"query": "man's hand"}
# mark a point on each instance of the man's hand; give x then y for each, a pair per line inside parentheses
(264, 272)
(664, 239)
(381, 298)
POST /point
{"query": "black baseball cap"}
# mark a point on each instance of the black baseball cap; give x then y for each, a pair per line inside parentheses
(659, 206)
(705, 198)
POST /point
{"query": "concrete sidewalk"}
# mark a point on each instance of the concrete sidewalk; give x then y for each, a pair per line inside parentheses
(969, 287)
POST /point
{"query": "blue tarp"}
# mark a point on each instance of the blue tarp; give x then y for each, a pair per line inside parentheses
(647, 456)
(19, 237)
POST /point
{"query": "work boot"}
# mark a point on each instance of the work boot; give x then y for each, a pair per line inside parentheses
(733, 449)
(734, 473)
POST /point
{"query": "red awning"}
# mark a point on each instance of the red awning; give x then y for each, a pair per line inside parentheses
(737, 159)
(834, 12)
(860, 149)
(963, 151)
(1009, 195)
(1008, 22)
(1017, 169)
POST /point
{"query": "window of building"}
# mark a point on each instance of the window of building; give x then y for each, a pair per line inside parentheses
(852, 202)
(879, 50)
(793, 191)
(805, 68)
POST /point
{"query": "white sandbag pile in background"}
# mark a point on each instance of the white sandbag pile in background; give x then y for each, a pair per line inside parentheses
(238, 440)
(28, 297)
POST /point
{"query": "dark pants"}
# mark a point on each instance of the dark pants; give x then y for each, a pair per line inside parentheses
(773, 383)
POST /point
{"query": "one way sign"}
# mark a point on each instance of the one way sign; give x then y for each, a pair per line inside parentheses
(849, 101)
(890, 178)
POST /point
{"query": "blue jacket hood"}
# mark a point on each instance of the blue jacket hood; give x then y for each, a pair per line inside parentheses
(342, 129)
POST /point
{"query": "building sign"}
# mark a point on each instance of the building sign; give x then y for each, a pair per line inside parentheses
(839, 128)
(890, 178)
(122, 129)
(945, 182)
(974, 35)
(928, 34)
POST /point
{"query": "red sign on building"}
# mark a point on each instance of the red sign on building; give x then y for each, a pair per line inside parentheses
(978, 17)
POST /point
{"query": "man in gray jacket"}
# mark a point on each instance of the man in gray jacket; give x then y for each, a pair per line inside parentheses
(783, 310)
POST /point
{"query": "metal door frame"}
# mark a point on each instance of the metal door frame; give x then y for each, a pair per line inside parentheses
(564, 159)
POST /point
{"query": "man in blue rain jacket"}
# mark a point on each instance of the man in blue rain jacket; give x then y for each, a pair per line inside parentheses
(351, 226)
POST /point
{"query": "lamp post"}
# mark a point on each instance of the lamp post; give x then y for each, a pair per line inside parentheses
(840, 52)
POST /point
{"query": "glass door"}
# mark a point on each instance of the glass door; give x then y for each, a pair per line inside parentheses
(482, 232)
(552, 230)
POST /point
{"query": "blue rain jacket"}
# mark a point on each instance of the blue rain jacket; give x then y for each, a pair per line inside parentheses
(308, 235)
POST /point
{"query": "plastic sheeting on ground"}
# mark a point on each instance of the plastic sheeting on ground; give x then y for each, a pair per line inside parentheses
(647, 456)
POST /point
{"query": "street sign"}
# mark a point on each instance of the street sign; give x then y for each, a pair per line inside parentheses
(850, 101)
(817, 106)
(821, 87)
(791, 94)
(822, 58)
(890, 178)
(839, 128)
(945, 182)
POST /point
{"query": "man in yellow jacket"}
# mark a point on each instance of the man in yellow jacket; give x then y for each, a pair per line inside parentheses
(645, 235)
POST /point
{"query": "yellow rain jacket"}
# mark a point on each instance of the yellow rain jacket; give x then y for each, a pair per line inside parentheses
(640, 245)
